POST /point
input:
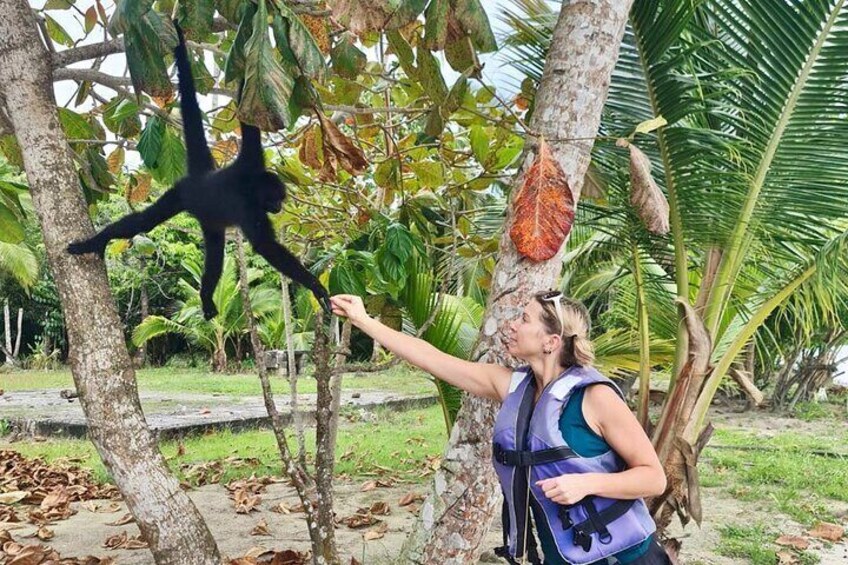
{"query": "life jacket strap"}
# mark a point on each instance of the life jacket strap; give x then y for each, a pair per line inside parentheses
(516, 458)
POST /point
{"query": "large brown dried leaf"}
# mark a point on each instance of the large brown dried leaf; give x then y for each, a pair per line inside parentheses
(797, 542)
(124, 541)
(261, 529)
(376, 533)
(645, 196)
(13, 496)
(360, 16)
(409, 498)
(349, 156)
(310, 149)
(122, 521)
(544, 208)
(827, 531)
(700, 344)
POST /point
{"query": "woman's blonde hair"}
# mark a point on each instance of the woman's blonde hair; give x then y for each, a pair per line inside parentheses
(575, 328)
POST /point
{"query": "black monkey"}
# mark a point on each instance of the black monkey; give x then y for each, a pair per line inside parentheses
(241, 194)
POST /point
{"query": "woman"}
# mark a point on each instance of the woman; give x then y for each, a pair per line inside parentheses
(563, 430)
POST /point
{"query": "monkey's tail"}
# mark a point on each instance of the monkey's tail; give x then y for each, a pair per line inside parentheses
(199, 160)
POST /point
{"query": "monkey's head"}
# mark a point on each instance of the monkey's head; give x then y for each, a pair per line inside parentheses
(270, 191)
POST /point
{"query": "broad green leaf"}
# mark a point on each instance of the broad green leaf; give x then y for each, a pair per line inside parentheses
(150, 143)
(231, 9)
(121, 116)
(386, 174)
(226, 119)
(454, 99)
(11, 230)
(57, 33)
(144, 245)
(11, 150)
(405, 55)
(99, 170)
(203, 79)
(348, 61)
(309, 57)
(430, 76)
(58, 4)
(345, 278)
(145, 60)
(472, 16)
(460, 54)
(74, 125)
(268, 88)
(10, 196)
(479, 143)
(436, 25)
(196, 17)
(234, 67)
(171, 163)
(126, 13)
(428, 173)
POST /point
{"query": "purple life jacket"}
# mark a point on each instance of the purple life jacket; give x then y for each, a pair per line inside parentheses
(527, 447)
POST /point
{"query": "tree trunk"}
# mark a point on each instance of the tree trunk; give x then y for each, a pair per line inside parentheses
(583, 52)
(98, 356)
(141, 352)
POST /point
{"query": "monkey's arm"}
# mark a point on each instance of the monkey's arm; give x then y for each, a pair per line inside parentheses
(168, 206)
(261, 236)
(199, 157)
(214, 262)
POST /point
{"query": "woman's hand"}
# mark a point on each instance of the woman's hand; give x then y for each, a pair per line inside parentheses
(349, 306)
(568, 489)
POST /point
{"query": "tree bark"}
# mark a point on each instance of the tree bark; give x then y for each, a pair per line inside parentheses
(584, 49)
(98, 356)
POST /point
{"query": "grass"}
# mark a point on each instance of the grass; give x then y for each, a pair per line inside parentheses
(400, 445)
(782, 474)
(400, 378)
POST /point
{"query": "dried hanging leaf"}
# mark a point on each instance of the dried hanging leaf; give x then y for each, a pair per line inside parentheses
(361, 16)
(224, 151)
(544, 208)
(793, 541)
(115, 160)
(348, 155)
(310, 149)
(645, 196)
(827, 531)
(317, 26)
(163, 101)
(138, 188)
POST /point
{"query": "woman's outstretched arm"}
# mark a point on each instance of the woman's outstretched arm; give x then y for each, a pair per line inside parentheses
(487, 380)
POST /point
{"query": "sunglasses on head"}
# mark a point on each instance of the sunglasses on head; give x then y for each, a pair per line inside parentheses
(555, 296)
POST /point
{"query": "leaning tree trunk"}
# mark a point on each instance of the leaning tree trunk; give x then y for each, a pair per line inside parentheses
(583, 52)
(99, 359)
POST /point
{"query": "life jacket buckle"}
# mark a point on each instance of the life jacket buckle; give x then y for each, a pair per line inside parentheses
(565, 517)
(583, 539)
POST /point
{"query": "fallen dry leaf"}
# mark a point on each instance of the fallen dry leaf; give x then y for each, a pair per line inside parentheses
(122, 521)
(376, 533)
(13, 497)
(409, 498)
(793, 541)
(261, 529)
(827, 531)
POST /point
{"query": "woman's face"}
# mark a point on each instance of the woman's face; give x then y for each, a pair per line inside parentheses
(526, 334)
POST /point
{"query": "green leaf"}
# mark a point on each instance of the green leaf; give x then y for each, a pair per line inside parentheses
(171, 163)
(430, 76)
(234, 67)
(436, 25)
(299, 39)
(196, 17)
(454, 99)
(203, 79)
(428, 173)
(57, 33)
(348, 61)
(145, 60)
(58, 4)
(11, 150)
(268, 87)
(405, 55)
(345, 278)
(479, 143)
(74, 125)
(472, 16)
(386, 174)
(232, 9)
(399, 241)
(99, 170)
(11, 230)
(650, 125)
(460, 55)
(150, 143)
(126, 13)
(125, 109)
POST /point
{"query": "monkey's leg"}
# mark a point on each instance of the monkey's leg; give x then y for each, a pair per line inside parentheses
(166, 207)
(214, 264)
(261, 237)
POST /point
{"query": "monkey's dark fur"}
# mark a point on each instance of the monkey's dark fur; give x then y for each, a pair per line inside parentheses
(241, 194)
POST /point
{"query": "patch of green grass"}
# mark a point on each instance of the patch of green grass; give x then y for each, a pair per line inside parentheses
(400, 378)
(786, 475)
(384, 443)
(809, 411)
(755, 543)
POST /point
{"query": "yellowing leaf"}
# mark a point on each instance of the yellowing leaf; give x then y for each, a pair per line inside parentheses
(650, 125)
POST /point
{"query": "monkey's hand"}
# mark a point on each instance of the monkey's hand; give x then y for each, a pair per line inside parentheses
(209, 310)
(90, 245)
(323, 298)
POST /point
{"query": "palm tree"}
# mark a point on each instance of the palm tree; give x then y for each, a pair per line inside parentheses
(214, 335)
(17, 260)
(752, 161)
